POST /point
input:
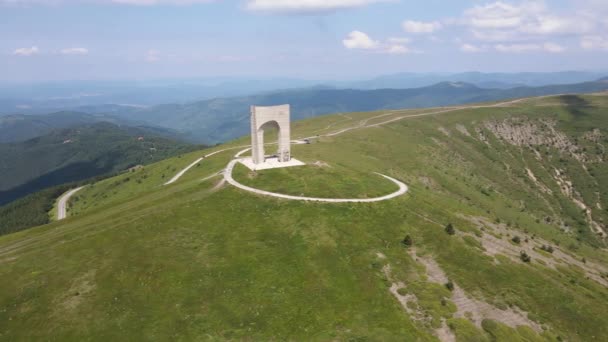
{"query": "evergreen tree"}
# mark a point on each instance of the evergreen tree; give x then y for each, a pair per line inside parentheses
(450, 229)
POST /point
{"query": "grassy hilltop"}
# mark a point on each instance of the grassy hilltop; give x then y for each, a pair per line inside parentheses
(524, 186)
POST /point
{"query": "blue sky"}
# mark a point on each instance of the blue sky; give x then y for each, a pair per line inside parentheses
(313, 39)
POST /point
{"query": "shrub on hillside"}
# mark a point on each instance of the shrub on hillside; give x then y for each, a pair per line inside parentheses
(407, 241)
(516, 239)
(449, 285)
(450, 229)
(524, 257)
(547, 248)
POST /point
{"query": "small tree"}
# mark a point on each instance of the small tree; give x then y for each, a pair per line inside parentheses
(524, 256)
(547, 248)
(407, 241)
(449, 285)
(516, 239)
(450, 229)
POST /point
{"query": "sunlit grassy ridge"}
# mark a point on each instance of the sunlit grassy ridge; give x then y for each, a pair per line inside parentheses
(138, 260)
(316, 180)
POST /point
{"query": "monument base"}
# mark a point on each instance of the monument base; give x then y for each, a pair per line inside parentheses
(269, 163)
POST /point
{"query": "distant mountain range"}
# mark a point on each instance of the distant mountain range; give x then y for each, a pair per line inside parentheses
(77, 153)
(482, 80)
(93, 96)
(221, 119)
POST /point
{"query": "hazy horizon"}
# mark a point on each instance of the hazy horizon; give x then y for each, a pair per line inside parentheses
(225, 79)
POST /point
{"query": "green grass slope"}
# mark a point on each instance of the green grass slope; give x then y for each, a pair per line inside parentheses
(201, 260)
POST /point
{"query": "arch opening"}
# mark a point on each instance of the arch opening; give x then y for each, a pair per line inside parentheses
(270, 129)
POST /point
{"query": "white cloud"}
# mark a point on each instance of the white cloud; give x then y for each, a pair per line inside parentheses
(160, 2)
(522, 48)
(554, 48)
(517, 48)
(74, 51)
(528, 20)
(360, 40)
(119, 2)
(397, 49)
(234, 58)
(392, 45)
(152, 56)
(305, 6)
(27, 51)
(470, 48)
(399, 40)
(420, 26)
(500, 15)
(594, 43)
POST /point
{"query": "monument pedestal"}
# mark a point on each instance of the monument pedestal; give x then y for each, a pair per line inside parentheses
(269, 163)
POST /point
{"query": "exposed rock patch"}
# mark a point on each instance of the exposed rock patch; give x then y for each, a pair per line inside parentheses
(594, 135)
(568, 190)
(320, 163)
(460, 128)
(80, 289)
(444, 131)
(482, 135)
(540, 185)
(474, 309)
(408, 301)
(497, 240)
(444, 333)
(427, 182)
(521, 131)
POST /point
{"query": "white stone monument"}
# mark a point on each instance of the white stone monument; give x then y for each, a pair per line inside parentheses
(267, 117)
(270, 117)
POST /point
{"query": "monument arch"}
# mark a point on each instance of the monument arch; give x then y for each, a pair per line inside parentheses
(266, 117)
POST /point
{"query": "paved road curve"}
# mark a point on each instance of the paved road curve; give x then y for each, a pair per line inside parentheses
(181, 173)
(63, 201)
(228, 177)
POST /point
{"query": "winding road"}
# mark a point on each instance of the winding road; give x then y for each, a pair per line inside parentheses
(228, 177)
(63, 201)
(184, 170)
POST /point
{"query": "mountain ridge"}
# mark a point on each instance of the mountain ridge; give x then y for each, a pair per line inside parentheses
(221, 119)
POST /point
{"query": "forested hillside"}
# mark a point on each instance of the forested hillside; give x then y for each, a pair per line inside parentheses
(31, 210)
(77, 153)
